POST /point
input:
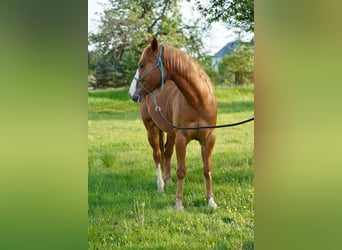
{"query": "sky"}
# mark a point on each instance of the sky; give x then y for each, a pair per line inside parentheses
(220, 35)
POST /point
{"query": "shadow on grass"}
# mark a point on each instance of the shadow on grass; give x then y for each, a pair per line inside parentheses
(120, 94)
(102, 115)
(112, 104)
(128, 110)
(234, 107)
(248, 245)
(119, 191)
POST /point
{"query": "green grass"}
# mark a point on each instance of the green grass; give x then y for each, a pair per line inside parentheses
(125, 209)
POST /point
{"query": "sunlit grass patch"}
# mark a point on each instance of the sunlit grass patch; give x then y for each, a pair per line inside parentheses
(125, 209)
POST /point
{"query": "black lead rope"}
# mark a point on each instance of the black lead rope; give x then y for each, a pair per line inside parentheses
(201, 127)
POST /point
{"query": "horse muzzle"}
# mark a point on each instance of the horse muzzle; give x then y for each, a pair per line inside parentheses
(137, 96)
(133, 92)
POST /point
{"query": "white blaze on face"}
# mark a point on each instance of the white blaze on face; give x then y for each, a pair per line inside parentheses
(133, 84)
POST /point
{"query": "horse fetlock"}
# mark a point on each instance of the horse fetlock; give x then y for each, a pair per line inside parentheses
(160, 184)
(179, 204)
(211, 203)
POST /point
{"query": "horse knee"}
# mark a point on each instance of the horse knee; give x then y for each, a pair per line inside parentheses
(181, 172)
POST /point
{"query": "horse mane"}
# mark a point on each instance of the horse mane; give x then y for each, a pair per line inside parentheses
(181, 63)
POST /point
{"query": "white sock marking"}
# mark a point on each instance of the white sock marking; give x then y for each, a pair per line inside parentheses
(160, 181)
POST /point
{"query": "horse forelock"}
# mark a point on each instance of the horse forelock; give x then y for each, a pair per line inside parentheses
(147, 52)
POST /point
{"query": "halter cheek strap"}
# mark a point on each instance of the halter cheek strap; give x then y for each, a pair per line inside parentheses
(161, 68)
(160, 64)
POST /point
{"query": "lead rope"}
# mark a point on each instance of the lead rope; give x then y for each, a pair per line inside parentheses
(160, 64)
(158, 110)
(161, 68)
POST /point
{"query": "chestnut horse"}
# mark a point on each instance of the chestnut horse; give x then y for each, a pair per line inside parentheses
(170, 80)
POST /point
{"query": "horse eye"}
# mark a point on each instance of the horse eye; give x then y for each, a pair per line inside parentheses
(141, 66)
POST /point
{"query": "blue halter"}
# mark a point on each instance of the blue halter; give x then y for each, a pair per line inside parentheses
(161, 68)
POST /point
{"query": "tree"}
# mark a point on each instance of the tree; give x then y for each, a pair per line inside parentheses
(124, 29)
(238, 66)
(236, 13)
(207, 64)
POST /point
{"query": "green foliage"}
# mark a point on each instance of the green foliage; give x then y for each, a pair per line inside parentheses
(237, 67)
(125, 210)
(236, 13)
(207, 64)
(125, 27)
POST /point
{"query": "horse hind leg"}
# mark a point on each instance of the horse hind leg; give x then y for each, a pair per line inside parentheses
(155, 138)
(207, 149)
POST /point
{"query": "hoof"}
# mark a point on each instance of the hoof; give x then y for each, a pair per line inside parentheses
(179, 205)
(211, 203)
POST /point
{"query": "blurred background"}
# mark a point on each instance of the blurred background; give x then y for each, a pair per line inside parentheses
(219, 34)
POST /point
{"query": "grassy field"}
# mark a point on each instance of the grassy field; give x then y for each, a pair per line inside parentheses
(125, 209)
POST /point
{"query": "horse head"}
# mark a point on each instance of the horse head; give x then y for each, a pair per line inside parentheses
(147, 79)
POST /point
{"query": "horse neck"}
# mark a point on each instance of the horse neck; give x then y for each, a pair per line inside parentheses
(189, 77)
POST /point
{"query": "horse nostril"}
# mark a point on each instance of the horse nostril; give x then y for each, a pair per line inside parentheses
(135, 97)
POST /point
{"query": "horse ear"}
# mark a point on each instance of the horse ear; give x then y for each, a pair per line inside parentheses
(154, 44)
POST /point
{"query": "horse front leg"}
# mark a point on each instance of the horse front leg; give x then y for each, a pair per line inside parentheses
(170, 142)
(207, 148)
(181, 170)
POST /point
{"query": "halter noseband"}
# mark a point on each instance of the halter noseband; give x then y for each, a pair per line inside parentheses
(161, 68)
